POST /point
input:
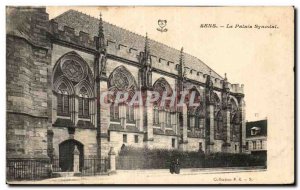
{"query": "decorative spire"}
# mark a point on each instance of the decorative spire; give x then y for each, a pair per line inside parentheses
(181, 58)
(101, 35)
(225, 83)
(209, 83)
(146, 48)
(100, 29)
(146, 66)
(181, 63)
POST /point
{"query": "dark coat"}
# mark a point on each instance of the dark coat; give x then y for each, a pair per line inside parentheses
(175, 166)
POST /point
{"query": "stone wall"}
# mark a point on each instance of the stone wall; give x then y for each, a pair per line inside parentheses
(26, 135)
(28, 56)
(165, 142)
(218, 146)
(116, 140)
(193, 144)
(26, 82)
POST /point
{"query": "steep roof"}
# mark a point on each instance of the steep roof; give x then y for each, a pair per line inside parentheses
(82, 22)
(261, 124)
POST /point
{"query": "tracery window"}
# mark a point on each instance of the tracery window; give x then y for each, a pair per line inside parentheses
(234, 121)
(195, 114)
(235, 128)
(130, 113)
(114, 112)
(162, 112)
(121, 80)
(190, 120)
(168, 119)
(219, 128)
(73, 90)
(155, 116)
(63, 101)
(83, 102)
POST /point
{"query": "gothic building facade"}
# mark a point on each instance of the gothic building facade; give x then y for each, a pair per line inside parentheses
(57, 70)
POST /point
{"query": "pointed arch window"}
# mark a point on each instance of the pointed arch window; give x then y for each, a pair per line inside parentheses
(219, 129)
(130, 113)
(194, 111)
(114, 112)
(121, 79)
(197, 120)
(162, 112)
(234, 121)
(83, 104)
(63, 105)
(155, 116)
(191, 119)
(168, 118)
(235, 128)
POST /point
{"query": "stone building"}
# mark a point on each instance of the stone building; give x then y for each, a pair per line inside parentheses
(256, 137)
(57, 69)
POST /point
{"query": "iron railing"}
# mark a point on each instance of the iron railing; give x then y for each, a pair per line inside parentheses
(27, 169)
(36, 169)
(90, 166)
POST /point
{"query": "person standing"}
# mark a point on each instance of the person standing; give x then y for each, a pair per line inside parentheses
(177, 166)
(172, 164)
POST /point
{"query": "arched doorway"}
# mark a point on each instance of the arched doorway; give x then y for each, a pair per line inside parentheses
(66, 156)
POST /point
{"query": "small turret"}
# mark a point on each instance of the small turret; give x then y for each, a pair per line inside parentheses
(101, 47)
(146, 69)
(182, 70)
(226, 84)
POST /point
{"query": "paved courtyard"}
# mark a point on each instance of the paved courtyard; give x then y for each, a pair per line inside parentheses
(162, 176)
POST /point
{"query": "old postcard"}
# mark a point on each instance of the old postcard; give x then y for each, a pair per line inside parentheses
(150, 95)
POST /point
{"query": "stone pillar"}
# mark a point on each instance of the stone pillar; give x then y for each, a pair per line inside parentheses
(184, 128)
(243, 127)
(76, 160)
(192, 123)
(54, 107)
(184, 131)
(178, 127)
(227, 115)
(211, 127)
(174, 122)
(227, 125)
(112, 160)
(202, 127)
(141, 121)
(137, 117)
(162, 119)
(92, 110)
(122, 113)
(75, 108)
(148, 113)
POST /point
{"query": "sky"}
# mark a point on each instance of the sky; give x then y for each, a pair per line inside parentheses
(261, 59)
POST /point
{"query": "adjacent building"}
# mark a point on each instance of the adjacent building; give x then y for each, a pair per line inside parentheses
(256, 137)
